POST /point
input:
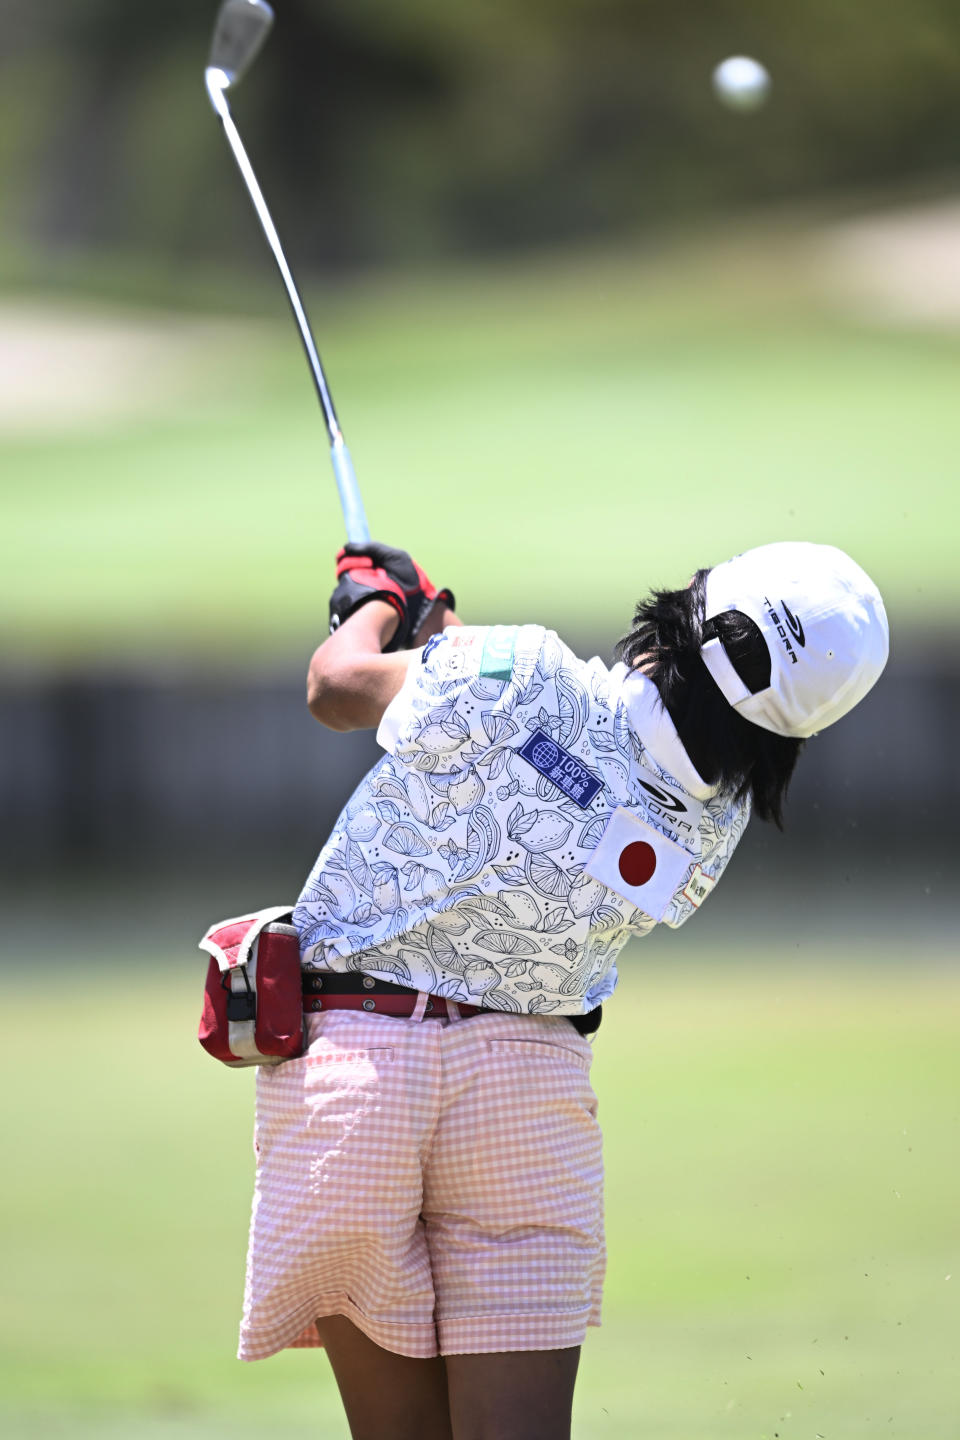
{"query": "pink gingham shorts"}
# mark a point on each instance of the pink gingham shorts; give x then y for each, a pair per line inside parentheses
(438, 1183)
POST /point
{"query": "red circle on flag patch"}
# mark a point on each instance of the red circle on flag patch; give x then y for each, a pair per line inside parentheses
(638, 862)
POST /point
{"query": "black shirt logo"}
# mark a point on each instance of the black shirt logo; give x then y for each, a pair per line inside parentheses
(665, 799)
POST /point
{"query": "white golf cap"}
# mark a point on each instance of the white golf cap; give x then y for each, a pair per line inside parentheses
(824, 625)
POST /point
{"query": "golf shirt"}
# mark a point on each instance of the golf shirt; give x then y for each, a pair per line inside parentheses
(533, 812)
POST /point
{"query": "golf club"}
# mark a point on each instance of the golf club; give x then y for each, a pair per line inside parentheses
(240, 31)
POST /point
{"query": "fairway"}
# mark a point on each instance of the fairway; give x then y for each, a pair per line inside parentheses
(782, 1150)
(612, 417)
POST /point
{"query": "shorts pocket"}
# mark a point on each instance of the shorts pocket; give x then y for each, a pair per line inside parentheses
(540, 1051)
(323, 1060)
(318, 1117)
(335, 1079)
(374, 1055)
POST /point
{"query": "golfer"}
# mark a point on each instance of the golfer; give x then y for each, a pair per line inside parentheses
(428, 1200)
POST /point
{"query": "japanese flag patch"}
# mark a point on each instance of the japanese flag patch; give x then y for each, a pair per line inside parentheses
(639, 863)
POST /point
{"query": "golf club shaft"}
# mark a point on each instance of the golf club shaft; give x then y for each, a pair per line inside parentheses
(350, 501)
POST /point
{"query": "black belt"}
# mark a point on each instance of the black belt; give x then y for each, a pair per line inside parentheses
(318, 983)
(350, 982)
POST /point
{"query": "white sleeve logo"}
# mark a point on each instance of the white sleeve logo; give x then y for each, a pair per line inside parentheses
(698, 887)
(639, 863)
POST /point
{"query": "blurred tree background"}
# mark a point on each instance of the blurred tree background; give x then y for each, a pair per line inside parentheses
(515, 214)
(389, 131)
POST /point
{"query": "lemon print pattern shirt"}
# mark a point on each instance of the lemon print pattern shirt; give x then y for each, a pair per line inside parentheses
(533, 812)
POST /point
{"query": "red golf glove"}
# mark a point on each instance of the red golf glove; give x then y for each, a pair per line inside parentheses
(380, 572)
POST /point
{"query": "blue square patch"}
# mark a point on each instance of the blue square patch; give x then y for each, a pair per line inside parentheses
(564, 769)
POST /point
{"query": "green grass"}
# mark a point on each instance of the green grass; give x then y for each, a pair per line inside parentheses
(550, 438)
(783, 1148)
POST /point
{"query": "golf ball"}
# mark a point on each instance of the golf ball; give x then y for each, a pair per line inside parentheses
(741, 83)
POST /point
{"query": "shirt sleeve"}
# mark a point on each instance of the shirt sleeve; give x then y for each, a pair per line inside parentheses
(451, 706)
(720, 830)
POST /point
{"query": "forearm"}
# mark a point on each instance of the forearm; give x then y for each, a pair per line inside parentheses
(350, 681)
(349, 674)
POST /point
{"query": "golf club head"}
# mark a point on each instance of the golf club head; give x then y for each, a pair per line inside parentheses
(242, 27)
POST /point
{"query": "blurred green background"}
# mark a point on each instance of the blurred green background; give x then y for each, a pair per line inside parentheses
(587, 331)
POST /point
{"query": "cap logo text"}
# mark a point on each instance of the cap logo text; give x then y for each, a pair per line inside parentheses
(784, 632)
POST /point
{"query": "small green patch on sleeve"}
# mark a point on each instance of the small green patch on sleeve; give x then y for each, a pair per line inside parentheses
(496, 662)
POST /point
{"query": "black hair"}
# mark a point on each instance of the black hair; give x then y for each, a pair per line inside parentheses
(727, 750)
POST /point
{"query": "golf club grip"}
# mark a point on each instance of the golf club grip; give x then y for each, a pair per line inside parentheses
(358, 531)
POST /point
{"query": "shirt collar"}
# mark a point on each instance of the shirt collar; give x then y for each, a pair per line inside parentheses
(654, 728)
